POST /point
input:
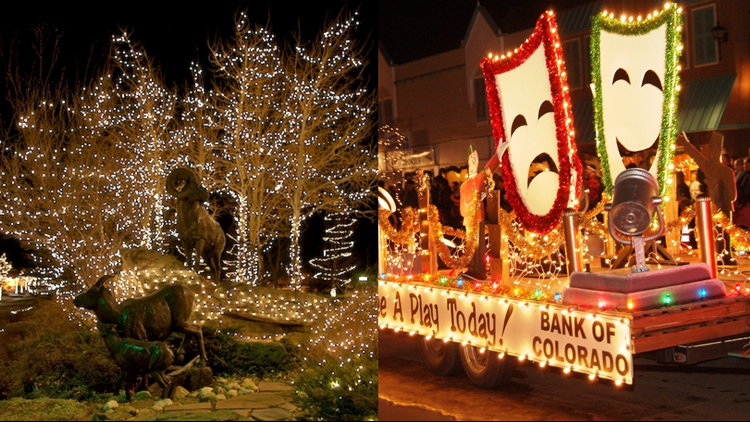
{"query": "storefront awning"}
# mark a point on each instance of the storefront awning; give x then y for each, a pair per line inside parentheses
(702, 103)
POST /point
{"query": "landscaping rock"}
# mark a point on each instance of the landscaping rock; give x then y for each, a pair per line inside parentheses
(180, 393)
(144, 414)
(142, 395)
(163, 403)
(120, 398)
(244, 391)
(220, 397)
(194, 394)
(208, 397)
(232, 386)
(232, 393)
(198, 378)
(219, 390)
(249, 384)
(110, 405)
(129, 409)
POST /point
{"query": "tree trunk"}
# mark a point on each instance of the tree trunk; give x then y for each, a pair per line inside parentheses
(295, 252)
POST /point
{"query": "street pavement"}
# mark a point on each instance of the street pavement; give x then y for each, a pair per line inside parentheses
(716, 390)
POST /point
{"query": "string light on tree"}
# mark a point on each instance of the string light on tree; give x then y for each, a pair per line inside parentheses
(337, 261)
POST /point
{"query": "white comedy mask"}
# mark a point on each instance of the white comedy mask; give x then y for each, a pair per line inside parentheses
(635, 84)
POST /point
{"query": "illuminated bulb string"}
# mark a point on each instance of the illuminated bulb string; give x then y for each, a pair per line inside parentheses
(337, 260)
(86, 178)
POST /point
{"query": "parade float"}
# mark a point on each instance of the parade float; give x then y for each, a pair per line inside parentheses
(522, 285)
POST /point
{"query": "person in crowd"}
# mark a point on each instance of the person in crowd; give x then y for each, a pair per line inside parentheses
(739, 168)
(456, 205)
(593, 183)
(741, 216)
(684, 199)
(444, 203)
(410, 198)
(695, 186)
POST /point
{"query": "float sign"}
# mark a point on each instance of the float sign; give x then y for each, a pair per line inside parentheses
(586, 342)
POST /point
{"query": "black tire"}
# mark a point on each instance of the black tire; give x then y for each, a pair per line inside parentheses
(440, 357)
(486, 370)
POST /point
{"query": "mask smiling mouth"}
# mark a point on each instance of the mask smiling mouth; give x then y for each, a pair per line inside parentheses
(624, 152)
(542, 163)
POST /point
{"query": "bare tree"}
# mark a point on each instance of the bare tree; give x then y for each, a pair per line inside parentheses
(61, 200)
(139, 120)
(247, 96)
(327, 130)
(84, 168)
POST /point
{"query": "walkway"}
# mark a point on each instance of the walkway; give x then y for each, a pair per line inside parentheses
(269, 403)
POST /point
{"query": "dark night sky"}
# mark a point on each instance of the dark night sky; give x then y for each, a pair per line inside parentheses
(173, 35)
(411, 29)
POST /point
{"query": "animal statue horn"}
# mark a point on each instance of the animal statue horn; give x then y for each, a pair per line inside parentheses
(200, 234)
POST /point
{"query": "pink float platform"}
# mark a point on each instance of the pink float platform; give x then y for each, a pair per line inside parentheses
(652, 289)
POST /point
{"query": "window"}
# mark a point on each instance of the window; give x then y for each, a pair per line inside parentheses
(572, 56)
(586, 79)
(684, 57)
(704, 45)
(385, 112)
(480, 96)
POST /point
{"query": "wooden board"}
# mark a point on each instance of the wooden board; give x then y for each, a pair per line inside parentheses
(693, 313)
(690, 323)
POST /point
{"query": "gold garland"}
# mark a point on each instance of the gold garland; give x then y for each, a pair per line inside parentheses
(740, 238)
(423, 183)
(409, 227)
(541, 245)
(471, 235)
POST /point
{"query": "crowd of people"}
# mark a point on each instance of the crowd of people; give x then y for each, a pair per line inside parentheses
(741, 214)
(445, 195)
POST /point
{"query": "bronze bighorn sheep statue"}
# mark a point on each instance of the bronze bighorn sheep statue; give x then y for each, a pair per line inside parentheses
(200, 234)
(138, 357)
(152, 318)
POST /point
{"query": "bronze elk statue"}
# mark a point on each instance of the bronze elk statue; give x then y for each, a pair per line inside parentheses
(150, 318)
(200, 234)
(138, 357)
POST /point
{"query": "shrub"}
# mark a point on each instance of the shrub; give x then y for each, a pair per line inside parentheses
(228, 356)
(45, 354)
(339, 392)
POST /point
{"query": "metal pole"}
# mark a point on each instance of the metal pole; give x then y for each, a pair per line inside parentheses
(705, 225)
(382, 251)
(572, 240)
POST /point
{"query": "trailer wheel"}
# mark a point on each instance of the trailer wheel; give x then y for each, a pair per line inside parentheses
(440, 357)
(486, 370)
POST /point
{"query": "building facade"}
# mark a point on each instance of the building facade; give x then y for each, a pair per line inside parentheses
(439, 105)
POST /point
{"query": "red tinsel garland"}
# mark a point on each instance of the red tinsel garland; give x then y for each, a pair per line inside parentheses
(545, 32)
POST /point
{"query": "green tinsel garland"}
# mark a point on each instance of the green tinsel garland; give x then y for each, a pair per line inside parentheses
(671, 17)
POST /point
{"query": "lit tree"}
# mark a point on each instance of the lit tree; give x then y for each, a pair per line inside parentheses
(247, 94)
(139, 120)
(327, 128)
(60, 200)
(337, 261)
(5, 268)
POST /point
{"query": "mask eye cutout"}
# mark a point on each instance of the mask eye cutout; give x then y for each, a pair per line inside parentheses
(652, 78)
(517, 122)
(621, 74)
(545, 108)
